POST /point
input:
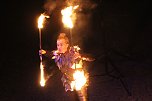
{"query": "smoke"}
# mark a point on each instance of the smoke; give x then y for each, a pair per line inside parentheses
(87, 4)
(84, 5)
(49, 6)
(82, 30)
(82, 26)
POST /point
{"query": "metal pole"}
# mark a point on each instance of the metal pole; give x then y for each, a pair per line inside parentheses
(40, 43)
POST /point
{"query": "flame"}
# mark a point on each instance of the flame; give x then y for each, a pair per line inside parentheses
(79, 80)
(41, 20)
(69, 16)
(77, 48)
(79, 77)
(42, 79)
(77, 65)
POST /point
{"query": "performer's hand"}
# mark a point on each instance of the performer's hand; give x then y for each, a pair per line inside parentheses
(55, 52)
(42, 51)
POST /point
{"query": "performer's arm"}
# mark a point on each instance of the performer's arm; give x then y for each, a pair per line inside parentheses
(46, 53)
(87, 57)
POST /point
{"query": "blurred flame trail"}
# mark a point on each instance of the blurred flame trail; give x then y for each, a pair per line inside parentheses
(40, 26)
(42, 79)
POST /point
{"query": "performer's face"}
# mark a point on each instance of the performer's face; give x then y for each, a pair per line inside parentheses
(62, 46)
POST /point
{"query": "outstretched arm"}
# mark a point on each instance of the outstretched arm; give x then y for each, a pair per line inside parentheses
(46, 53)
(87, 57)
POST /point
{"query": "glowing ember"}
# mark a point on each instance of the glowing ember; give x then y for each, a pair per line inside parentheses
(79, 80)
(42, 79)
(68, 16)
(77, 48)
(41, 20)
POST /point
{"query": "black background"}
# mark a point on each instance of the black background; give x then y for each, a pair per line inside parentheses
(121, 28)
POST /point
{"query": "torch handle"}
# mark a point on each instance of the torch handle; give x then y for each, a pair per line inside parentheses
(40, 38)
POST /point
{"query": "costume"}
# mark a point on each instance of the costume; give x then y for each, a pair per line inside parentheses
(68, 63)
(65, 62)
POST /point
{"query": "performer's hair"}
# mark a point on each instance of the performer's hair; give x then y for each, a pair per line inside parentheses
(63, 36)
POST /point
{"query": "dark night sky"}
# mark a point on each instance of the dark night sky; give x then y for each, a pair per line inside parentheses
(124, 26)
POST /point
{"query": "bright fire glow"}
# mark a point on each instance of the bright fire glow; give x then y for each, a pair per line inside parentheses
(77, 48)
(79, 77)
(41, 20)
(79, 80)
(42, 79)
(77, 65)
(68, 16)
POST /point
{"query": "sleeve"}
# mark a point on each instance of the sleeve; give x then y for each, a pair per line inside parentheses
(48, 54)
(87, 57)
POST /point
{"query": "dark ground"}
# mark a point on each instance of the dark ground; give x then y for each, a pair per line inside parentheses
(124, 27)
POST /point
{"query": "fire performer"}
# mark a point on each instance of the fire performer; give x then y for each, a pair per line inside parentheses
(67, 58)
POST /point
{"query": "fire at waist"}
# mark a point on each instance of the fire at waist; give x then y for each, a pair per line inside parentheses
(77, 75)
(80, 79)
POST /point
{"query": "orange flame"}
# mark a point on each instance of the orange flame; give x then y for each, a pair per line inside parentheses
(69, 16)
(41, 20)
(42, 79)
(79, 80)
(79, 77)
(77, 48)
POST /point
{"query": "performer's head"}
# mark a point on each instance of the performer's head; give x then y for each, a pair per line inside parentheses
(62, 43)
